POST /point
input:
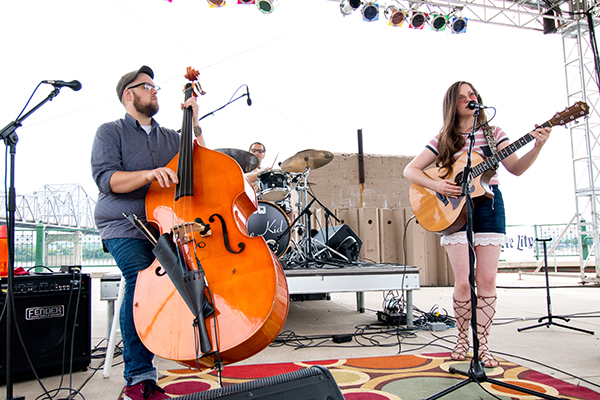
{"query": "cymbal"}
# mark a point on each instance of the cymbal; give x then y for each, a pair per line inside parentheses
(307, 158)
(245, 159)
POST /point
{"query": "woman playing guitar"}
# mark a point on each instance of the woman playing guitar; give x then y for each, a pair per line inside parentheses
(445, 150)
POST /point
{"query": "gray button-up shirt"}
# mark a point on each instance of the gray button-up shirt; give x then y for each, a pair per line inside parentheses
(123, 145)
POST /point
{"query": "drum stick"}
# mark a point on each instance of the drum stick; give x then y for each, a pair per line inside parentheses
(274, 160)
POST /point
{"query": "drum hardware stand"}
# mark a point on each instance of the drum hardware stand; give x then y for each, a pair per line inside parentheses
(326, 247)
(306, 255)
(306, 250)
(476, 371)
(9, 136)
(550, 317)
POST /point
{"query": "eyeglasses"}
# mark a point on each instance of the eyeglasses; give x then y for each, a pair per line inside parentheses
(259, 151)
(463, 99)
(147, 86)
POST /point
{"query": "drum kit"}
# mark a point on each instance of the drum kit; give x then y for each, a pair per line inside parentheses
(291, 241)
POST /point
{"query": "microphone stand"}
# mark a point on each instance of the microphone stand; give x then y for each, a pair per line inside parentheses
(476, 371)
(228, 103)
(9, 135)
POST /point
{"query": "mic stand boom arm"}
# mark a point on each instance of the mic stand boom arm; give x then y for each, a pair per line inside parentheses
(9, 135)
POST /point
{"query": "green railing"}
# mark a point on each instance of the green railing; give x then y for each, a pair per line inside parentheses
(564, 242)
(55, 248)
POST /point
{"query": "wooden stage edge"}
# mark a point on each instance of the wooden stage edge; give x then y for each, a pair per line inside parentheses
(358, 277)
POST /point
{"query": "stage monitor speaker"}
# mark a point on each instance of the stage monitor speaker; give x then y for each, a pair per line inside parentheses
(314, 383)
(47, 308)
(342, 239)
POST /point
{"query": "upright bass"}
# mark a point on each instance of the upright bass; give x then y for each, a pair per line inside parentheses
(203, 219)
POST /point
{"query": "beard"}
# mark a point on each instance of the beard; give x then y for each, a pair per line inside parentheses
(149, 109)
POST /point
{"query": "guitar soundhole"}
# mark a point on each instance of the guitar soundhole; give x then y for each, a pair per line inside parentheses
(458, 178)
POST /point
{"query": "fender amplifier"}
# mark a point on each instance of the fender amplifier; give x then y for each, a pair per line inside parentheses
(52, 313)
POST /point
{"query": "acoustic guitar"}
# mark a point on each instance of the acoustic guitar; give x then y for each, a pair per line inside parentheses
(445, 215)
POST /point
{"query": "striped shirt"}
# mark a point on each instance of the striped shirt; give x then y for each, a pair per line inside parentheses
(480, 146)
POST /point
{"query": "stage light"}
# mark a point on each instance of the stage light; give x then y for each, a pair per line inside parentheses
(417, 20)
(348, 6)
(370, 11)
(245, 1)
(439, 22)
(458, 25)
(216, 3)
(395, 16)
(266, 6)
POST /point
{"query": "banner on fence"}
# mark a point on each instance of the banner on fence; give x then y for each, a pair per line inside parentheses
(520, 244)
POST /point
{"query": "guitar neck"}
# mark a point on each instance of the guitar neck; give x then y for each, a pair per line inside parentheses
(495, 159)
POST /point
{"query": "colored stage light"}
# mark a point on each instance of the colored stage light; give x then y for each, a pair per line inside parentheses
(458, 25)
(245, 1)
(395, 16)
(265, 6)
(417, 20)
(348, 6)
(439, 22)
(216, 3)
(370, 11)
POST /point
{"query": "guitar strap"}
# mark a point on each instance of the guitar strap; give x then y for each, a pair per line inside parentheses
(489, 136)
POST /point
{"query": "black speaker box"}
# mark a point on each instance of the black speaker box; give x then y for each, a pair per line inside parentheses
(52, 312)
(314, 383)
(342, 239)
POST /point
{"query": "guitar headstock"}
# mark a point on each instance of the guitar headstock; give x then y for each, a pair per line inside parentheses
(570, 114)
(192, 76)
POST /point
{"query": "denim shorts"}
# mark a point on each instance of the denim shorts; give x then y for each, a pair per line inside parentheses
(489, 216)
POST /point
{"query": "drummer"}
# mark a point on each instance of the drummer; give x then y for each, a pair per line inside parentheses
(257, 149)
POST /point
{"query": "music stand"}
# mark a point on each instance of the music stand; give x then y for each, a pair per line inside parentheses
(476, 371)
(550, 317)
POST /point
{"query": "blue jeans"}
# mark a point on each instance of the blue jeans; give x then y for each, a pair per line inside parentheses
(489, 216)
(132, 256)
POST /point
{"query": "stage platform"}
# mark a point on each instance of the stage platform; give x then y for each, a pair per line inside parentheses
(358, 277)
(324, 277)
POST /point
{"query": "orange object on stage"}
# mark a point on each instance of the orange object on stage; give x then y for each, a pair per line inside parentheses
(3, 251)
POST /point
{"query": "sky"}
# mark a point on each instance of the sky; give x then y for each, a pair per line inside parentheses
(315, 78)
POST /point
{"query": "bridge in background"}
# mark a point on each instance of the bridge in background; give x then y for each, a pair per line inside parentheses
(53, 206)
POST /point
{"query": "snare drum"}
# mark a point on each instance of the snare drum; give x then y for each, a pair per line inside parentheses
(273, 185)
(269, 221)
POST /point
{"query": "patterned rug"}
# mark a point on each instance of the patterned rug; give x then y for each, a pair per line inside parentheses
(404, 377)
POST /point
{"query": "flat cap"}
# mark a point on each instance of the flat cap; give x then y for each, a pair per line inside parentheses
(130, 77)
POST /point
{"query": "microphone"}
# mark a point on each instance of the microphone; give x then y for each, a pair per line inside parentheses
(474, 105)
(75, 85)
(248, 100)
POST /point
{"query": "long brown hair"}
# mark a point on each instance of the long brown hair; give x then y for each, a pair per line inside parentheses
(451, 139)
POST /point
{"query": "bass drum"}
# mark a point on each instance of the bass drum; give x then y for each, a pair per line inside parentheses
(270, 222)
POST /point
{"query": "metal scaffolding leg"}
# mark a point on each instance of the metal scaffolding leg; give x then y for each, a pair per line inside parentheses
(585, 145)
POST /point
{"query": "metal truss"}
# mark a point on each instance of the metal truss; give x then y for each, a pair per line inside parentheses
(581, 78)
(57, 206)
(550, 16)
(518, 14)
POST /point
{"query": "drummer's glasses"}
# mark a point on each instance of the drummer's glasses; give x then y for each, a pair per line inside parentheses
(147, 86)
(259, 151)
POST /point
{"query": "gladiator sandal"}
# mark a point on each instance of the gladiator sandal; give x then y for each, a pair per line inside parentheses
(462, 314)
(486, 309)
